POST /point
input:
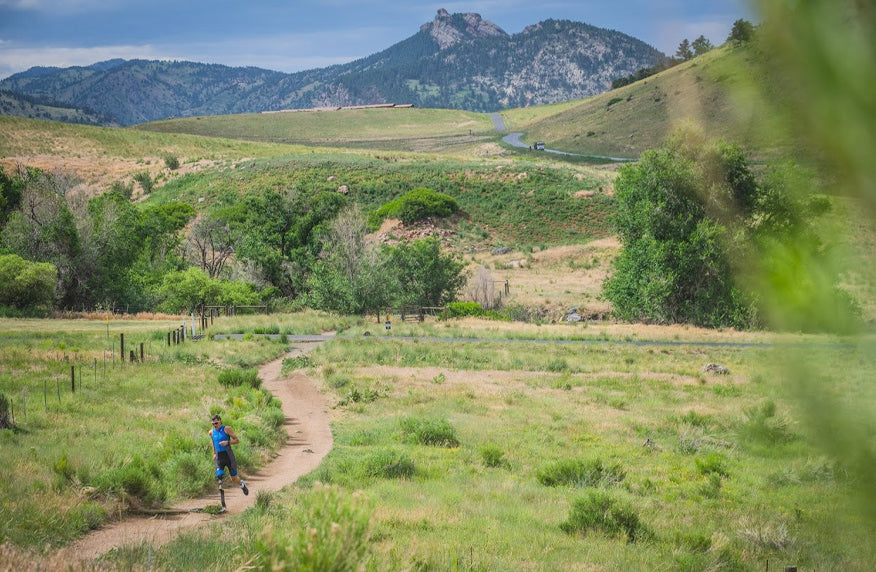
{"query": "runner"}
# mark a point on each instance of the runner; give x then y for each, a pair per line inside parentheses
(223, 437)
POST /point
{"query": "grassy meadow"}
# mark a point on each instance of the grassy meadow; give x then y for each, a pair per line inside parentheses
(459, 445)
(400, 129)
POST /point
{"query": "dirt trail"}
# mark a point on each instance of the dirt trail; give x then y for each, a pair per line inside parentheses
(310, 439)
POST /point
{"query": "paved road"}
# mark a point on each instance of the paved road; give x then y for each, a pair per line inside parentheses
(513, 139)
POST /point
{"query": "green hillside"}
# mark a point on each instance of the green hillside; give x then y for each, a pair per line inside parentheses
(385, 128)
(712, 91)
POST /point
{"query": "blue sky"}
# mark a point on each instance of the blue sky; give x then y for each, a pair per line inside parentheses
(293, 35)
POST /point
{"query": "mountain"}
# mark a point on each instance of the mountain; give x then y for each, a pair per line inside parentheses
(18, 105)
(457, 61)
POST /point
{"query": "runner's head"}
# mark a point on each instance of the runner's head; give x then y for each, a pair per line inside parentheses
(217, 420)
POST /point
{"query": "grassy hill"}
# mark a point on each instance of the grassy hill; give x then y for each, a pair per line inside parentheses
(406, 129)
(713, 91)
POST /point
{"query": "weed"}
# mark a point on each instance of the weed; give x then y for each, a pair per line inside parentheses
(328, 530)
(236, 377)
(493, 456)
(434, 432)
(601, 512)
(580, 473)
(713, 463)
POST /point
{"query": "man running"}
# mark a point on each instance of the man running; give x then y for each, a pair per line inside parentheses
(223, 437)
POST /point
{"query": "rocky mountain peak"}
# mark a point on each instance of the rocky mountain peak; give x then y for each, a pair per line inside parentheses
(450, 29)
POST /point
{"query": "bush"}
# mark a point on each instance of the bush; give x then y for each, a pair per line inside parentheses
(435, 432)
(763, 426)
(580, 473)
(328, 531)
(238, 377)
(600, 512)
(494, 457)
(145, 181)
(462, 309)
(388, 464)
(712, 464)
(418, 204)
(171, 162)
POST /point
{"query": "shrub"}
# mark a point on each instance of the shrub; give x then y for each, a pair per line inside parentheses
(600, 512)
(418, 204)
(713, 463)
(388, 464)
(145, 181)
(494, 457)
(462, 309)
(763, 426)
(329, 531)
(435, 432)
(580, 473)
(171, 162)
(237, 377)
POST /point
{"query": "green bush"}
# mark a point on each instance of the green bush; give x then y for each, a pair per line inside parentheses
(171, 162)
(580, 473)
(462, 309)
(418, 204)
(435, 432)
(327, 531)
(713, 463)
(388, 464)
(600, 512)
(145, 181)
(237, 377)
(494, 457)
(763, 426)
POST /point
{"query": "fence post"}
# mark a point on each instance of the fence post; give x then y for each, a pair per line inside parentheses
(72, 379)
(142, 355)
(122, 352)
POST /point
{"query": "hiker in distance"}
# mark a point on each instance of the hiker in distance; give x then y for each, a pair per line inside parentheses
(223, 437)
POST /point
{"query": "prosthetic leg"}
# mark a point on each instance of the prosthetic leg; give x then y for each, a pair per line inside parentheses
(220, 476)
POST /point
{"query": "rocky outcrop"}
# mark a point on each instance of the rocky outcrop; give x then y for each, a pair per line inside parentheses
(448, 30)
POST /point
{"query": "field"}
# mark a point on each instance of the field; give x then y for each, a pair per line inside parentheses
(461, 445)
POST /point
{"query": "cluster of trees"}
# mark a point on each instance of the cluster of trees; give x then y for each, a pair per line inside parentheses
(262, 246)
(701, 233)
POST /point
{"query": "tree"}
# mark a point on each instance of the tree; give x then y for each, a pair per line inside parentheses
(25, 284)
(210, 244)
(701, 45)
(43, 229)
(352, 275)
(742, 32)
(426, 276)
(675, 209)
(684, 52)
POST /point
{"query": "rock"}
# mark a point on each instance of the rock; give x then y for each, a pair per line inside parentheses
(500, 250)
(573, 316)
(715, 369)
(343, 189)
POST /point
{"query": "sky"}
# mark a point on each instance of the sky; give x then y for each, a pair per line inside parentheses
(292, 35)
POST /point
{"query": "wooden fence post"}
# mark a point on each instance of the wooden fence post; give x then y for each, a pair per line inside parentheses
(122, 352)
(72, 379)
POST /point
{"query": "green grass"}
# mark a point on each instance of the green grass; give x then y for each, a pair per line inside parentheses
(512, 463)
(94, 436)
(393, 129)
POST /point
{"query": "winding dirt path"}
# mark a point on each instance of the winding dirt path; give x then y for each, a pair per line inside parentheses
(309, 440)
